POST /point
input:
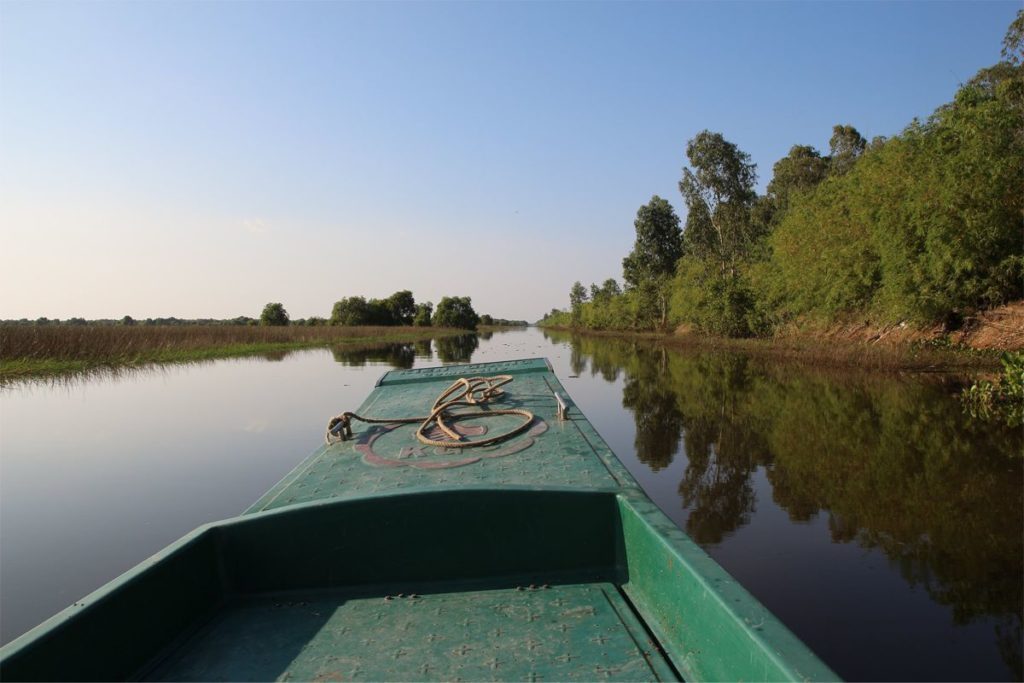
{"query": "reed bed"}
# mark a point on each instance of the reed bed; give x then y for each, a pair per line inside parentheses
(36, 349)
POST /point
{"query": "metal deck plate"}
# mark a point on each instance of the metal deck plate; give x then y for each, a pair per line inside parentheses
(558, 633)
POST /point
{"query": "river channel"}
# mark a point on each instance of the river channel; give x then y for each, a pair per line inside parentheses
(878, 522)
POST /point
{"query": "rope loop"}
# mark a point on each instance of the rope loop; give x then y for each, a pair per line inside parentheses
(465, 391)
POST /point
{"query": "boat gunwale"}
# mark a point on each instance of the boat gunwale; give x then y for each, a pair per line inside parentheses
(769, 635)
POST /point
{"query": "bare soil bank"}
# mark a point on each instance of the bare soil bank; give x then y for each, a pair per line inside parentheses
(1000, 329)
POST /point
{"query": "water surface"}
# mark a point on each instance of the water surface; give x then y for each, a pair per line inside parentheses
(865, 510)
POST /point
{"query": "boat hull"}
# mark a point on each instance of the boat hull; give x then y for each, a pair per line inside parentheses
(449, 580)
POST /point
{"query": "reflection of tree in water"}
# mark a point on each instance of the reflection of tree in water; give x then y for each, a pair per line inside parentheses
(423, 349)
(899, 467)
(723, 445)
(894, 463)
(605, 355)
(659, 425)
(485, 334)
(275, 356)
(456, 349)
(577, 361)
(396, 355)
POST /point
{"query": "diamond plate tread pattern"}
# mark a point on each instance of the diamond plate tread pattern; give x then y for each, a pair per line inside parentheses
(582, 632)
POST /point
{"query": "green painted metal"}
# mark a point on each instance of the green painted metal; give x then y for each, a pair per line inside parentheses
(535, 559)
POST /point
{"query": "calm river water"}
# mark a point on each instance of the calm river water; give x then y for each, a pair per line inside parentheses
(878, 523)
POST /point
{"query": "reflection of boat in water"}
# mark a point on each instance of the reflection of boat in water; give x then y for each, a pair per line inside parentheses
(385, 557)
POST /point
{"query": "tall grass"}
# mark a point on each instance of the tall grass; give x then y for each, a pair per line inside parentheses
(44, 349)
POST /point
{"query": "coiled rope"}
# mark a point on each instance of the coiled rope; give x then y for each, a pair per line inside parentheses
(475, 391)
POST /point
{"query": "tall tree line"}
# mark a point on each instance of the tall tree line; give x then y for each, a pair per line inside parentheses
(926, 226)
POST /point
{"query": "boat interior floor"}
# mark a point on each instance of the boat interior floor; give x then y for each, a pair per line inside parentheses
(574, 631)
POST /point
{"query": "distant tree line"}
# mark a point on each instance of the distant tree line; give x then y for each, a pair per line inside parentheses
(924, 227)
(398, 309)
(501, 322)
(401, 309)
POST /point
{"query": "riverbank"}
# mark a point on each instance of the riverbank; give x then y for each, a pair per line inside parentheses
(37, 351)
(817, 350)
(976, 344)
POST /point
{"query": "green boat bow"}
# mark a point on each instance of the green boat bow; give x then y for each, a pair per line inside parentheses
(382, 557)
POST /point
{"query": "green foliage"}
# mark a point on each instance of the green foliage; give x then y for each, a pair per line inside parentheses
(715, 302)
(456, 311)
(401, 307)
(923, 227)
(719, 195)
(398, 309)
(823, 261)
(352, 310)
(658, 243)
(648, 269)
(846, 144)
(274, 315)
(556, 318)
(577, 297)
(505, 322)
(801, 170)
(486, 319)
(711, 290)
(423, 315)
(1013, 43)
(1003, 400)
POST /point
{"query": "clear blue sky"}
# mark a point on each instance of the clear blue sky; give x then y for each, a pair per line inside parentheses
(201, 159)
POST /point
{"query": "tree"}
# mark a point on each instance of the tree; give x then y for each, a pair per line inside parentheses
(658, 243)
(401, 307)
(606, 291)
(456, 311)
(486, 319)
(719, 194)
(649, 267)
(423, 314)
(1013, 42)
(800, 170)
(847, 145)
(274, 315)
(127, 320)
(353, 310)
(577, 297)
(721, 237)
